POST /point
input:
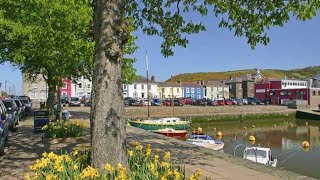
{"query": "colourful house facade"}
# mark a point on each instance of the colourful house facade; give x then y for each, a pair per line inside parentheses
(193, 90)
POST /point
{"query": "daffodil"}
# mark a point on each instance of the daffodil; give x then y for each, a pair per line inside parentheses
(75, 167)
(164, 164)
(135, 143)
(130, 153)
(90, 172)
(176, 174)
(167, 156)
(108, 167)
(51, 177)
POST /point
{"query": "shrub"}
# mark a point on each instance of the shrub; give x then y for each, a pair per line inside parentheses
(143, 163)
(63, 129)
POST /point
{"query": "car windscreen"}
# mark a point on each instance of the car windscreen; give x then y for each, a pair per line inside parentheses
(25, 101)
(7, 104)
(18, 103)
(74, 99)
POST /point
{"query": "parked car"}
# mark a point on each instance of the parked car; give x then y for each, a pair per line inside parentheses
(4, 127)
(167, 102)
(13, 113)
(65, 100)
(75, 101)
(177, 102)
(142, 103)
(156, 102)
(253, 101)
(27, 105)
(21, 108)
(228, 102)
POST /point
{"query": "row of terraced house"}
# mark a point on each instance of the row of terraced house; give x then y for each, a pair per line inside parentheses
(268, 90)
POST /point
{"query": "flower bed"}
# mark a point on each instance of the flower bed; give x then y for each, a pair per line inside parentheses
(143, 163)
(63, 129)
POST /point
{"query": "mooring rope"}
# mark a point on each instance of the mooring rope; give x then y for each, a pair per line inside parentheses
(290, 156)
(289, 151)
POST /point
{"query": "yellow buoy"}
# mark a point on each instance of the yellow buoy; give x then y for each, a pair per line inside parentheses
(199, 129)
(252, 142)
(219, 133)
(214, 129)
(306, 123)
(253, 126)
(252, 138)
(305, 144)
(244, 128)
(274, 126)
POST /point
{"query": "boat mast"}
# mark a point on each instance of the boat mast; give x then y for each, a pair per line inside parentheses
(148, 84)
(172, 102)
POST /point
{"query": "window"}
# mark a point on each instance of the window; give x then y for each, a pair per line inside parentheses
(313, 93)
(211, 88)
(282, 93)
(198, 90)
(187, 95)
(177, 90)
(32, 94)
(124, 86)
(142, 95)
(142, 86)
(149, 86)
(43, 94)
(199, 96)
(192, 95)
(187, 90)
(88, 85)
(230, 86)
(134, 86)
(64, 86)
(192, 90)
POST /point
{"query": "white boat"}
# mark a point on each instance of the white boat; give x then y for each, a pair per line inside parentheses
(260, 155)
(155, 124)
(205, 141)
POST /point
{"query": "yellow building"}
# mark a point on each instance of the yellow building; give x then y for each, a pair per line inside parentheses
(165, 90)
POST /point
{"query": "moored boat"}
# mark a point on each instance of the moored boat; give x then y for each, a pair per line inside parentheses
(155, 124)
(260, 155)
(205, 141)
(170, 132)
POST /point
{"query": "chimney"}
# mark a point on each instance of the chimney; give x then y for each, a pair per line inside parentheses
(153, 78)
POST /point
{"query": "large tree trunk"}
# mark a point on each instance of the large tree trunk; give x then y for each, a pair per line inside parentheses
(51, 95)
(107, 123)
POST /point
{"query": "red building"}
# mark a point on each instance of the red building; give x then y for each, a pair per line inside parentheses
(66, 87)
(280, 91)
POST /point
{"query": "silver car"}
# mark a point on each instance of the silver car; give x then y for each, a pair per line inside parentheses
(4, 128)
(13, 113)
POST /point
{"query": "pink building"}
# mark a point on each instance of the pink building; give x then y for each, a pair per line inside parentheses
(66, 88)
(280, 91)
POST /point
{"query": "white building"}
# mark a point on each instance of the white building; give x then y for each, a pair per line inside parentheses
(139, 88)
(81, 87)
(216, 90)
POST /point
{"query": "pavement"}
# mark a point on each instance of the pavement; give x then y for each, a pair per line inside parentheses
(24, 147)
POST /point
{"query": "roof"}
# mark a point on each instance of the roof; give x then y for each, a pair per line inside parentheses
(141, 79)
(215, 83)
(234, 80)
(169, 84)
(190, 84)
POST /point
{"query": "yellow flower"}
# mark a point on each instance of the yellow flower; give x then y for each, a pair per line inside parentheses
(27, 176)
(119, 166)
(167, 156)
(52, 156)
(148, 152)
(45, 154)
(164, 164)
(139, 147)
(176, 174)
(75, 167)
(135, 143)
(130, 153)
(51, 177)
(44, 127)
(75, 152)
(168, 173)
(148, 146)
(108, 167)
(163, 178)
(58, 167)
(67, 158)
(156, 158)
(90, 172)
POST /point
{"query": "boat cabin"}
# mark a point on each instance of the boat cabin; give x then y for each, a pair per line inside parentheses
(260, 155)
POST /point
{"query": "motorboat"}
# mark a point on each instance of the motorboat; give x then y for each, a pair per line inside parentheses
(260, 155)
(170, 132)
(205, 141)
(161, 123)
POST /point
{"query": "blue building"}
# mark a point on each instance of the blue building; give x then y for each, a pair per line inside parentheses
(193, 90)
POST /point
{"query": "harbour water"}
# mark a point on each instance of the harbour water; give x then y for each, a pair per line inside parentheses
(284, 137)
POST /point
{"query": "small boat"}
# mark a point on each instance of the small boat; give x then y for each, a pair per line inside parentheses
(170, 132)
(205, 141)
(260, 155)
(155, 124)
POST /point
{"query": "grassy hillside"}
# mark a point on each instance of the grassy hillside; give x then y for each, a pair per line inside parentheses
(271, 73)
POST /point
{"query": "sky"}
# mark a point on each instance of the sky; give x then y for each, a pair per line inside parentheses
(296, 45)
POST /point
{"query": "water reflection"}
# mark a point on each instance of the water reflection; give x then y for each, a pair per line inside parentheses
(284, 137)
